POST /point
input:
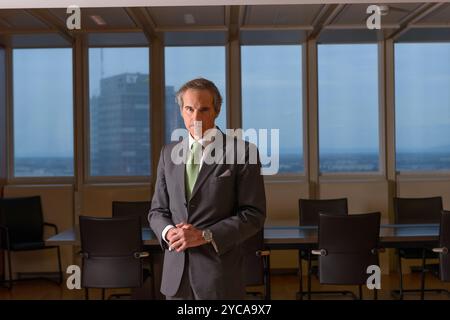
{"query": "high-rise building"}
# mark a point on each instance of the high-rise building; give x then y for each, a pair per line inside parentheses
(120, 139)
(172, 114)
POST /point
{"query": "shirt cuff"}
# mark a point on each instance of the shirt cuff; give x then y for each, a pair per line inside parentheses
(164, 232)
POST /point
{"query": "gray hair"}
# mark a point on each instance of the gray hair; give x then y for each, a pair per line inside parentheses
(200, 84)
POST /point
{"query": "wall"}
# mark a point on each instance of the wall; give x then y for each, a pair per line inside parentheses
(97, 199)
(282, 209)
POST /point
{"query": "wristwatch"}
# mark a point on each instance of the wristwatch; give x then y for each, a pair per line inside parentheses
(208, 237)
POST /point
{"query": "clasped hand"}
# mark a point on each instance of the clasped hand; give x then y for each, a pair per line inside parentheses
(184, 236)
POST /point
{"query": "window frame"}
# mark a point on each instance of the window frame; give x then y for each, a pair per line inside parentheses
(37, 180)
(361, 176)
(92, 179)
(417, 175)
(302, 176)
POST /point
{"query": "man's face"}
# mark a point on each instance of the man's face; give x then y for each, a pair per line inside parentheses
(198, 106)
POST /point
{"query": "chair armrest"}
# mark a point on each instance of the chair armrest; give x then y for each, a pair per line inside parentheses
(143, 254)
(443, 250)
(52, 225)
(262, 253)
(320, 252)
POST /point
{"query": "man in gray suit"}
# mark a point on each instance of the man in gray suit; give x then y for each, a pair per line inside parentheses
(202, 211)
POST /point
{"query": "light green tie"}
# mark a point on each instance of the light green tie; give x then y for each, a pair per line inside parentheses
(192, 167)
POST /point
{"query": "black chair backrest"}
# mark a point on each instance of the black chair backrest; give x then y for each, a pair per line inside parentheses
(24, 219)
(108, 247)
(132, 208)
(351, 244)
(444, 241)
(253, 264)
(417, 210)
(309, 209)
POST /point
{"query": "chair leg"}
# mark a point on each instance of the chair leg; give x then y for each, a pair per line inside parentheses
(152, 275)
(268, 290)
(300, 270)
(400, 274)
(86, 293)
(59, 265)
(309, 275)
(10, 280)
(103, 293)
(422, 289)
(375, 294)
(360, 292)
(422, 283)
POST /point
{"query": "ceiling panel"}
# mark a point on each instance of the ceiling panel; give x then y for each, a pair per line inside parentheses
(439, 16)
(115, 18)
(356, 13)
(350, 36)
(426, 35)
(254, 37)
(281, 15)
(188, 16)
(38, 41)
(215, 38)
(117, 39)
(20, 19)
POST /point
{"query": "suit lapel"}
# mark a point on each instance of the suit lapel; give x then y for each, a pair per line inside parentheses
(180, 169)
(205, 171)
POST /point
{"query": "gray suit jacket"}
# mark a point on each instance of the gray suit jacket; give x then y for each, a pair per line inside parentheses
(228, 199)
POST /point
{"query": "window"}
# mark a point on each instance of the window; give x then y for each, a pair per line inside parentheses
(43, 112)
(422, 106)
(3, 153)
(272, 99)
(186, 63)
(119, 112)
(348, 108)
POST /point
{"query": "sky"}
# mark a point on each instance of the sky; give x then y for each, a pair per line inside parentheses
(348, 98)
(271, 93)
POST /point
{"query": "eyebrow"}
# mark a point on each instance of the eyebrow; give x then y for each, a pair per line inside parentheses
(199, 108)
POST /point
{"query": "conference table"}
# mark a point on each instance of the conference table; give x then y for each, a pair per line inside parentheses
(298, 237)
(288, 237)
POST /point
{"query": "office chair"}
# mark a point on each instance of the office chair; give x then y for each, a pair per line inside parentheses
(416, 211)
(111, 250)
(256, 264)
(22, 229)
(443, 249)
(132, 208)
(347, 246)
(138, 209)
(309, 216)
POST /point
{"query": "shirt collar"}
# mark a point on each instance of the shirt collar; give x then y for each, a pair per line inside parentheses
(206, 139)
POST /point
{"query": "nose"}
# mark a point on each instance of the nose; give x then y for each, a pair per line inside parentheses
(196, 116)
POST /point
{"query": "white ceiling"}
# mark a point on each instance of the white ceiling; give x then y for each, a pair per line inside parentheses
(283, 23)
(276, 16)
(160, 3)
